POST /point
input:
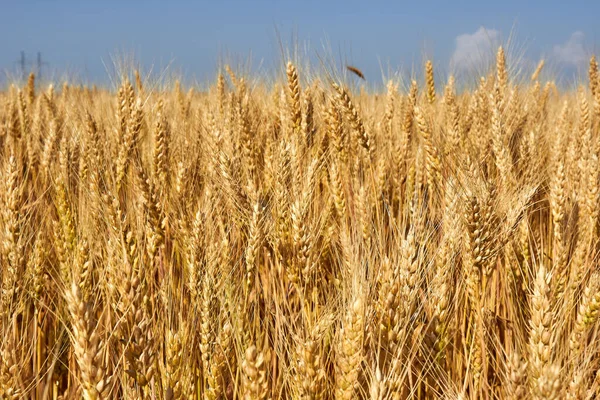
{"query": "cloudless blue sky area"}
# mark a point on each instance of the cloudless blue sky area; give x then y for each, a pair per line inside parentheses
(82, 38)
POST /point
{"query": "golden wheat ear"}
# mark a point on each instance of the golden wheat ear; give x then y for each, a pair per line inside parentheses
(356, 72)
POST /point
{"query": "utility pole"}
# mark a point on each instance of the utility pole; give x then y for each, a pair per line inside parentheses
(40, 64)
(23, 64)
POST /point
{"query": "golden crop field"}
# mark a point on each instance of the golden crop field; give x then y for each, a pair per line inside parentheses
(305, 239)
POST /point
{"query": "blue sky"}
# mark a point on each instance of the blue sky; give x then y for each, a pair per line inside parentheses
(82, 38)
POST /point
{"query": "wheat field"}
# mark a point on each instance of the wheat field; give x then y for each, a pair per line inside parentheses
(301, 240)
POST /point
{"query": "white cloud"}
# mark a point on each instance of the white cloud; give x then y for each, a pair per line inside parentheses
(475, 50)
(571, 52)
